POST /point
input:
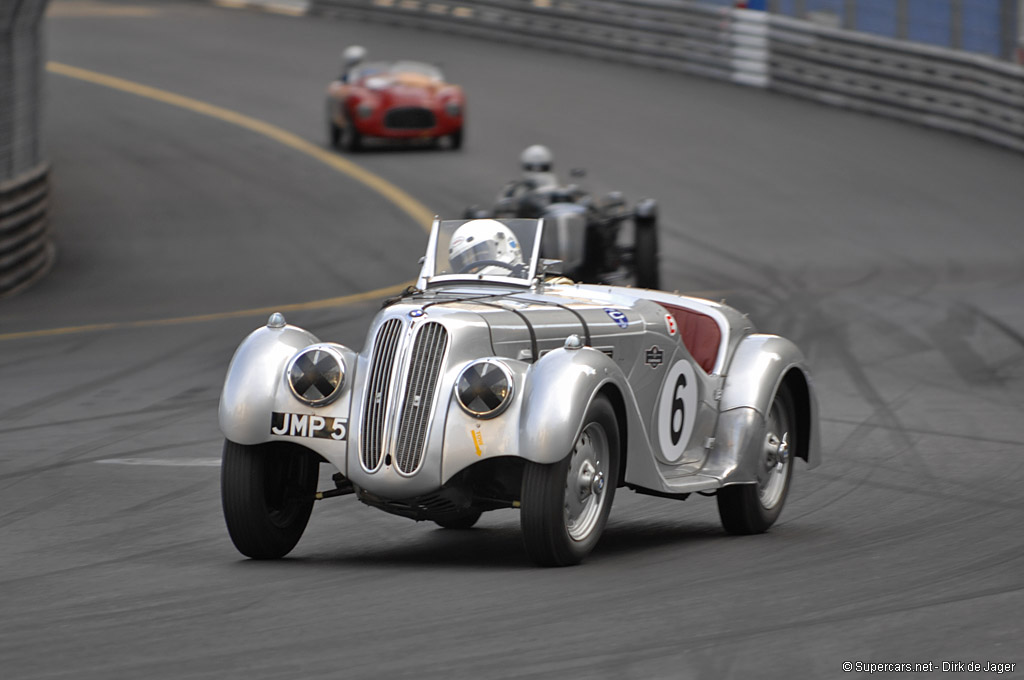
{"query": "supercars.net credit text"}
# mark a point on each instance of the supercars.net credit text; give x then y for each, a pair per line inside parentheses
(930, 667)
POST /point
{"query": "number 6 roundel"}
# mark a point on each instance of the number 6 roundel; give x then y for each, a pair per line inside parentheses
(677, 410)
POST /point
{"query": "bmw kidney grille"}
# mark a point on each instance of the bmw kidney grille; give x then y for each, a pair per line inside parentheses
(417, 400)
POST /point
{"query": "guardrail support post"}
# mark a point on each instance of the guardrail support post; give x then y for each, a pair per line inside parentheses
(903, 19)
(1008, 27)
(956, 24)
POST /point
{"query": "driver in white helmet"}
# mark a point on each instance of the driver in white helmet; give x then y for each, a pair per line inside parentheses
(486, 247)
(352, 57)
(537, 161)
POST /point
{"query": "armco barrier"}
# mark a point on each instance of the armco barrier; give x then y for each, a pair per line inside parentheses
(931, 86)
(26, 250)
(966, 93)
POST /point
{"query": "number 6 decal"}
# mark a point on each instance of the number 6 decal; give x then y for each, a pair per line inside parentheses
(677, 410)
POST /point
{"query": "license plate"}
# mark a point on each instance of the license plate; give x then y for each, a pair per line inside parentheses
(304, 425)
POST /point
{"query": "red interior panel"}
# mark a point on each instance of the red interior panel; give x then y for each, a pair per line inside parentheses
(700, 334)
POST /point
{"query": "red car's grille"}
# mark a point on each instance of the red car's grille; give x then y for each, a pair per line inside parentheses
(409, 118)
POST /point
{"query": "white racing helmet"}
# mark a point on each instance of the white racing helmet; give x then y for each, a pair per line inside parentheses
(482, 241)
(536, 158)
(353, 56)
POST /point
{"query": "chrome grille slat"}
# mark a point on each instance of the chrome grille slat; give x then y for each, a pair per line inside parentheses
(378, 383)
(424, 370)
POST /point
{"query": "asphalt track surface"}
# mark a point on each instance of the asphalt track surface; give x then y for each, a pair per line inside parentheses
(892, 255)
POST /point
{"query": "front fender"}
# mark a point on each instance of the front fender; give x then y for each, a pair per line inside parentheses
(558, 391)
(545, 416)
(251, 384)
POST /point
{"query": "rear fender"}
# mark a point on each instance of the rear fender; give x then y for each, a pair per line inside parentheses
(759, 366)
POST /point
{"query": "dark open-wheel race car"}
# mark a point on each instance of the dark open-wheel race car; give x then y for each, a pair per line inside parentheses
(598, 239)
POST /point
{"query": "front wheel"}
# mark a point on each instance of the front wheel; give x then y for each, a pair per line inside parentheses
(351, 140)
(565, 505)
(455, 140)
(753, 508)
(267, 493)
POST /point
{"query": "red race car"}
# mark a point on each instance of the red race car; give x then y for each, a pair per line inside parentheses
(401, 100)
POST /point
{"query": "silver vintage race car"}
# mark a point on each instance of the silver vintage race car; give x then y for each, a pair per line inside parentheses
(496, 384)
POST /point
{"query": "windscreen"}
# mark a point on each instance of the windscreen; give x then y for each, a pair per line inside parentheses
(480, 249)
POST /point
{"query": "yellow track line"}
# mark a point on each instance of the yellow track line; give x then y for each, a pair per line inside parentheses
(413, 208)
(299, 306)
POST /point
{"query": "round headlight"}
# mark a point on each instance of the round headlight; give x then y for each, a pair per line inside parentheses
(453, 109)
(317, 374)
(364, 110)
(484, 388)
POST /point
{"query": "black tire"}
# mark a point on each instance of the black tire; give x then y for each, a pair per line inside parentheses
(267, 493)
(547, 498)
(461, 521)
(645, 257)
(351, 140)
(753, 508)
(333, 134)
(455, 140)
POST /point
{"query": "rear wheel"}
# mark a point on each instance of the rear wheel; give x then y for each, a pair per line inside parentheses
(267, 494)
(753, 508)
(565, 505)
(645, 257)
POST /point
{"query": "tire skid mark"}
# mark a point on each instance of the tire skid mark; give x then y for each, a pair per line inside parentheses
(138, 510)
(198, 405)
(119, 560)
(74, 456)
(83, 461)
(952, 338)
(68, 393)
(932, 433)
(736, 635)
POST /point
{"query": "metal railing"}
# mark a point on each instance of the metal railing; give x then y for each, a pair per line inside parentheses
(924, 84)
(26, 250)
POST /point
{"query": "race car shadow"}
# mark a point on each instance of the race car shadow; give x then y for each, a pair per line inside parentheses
(638, 536)
(387, 146)
(502, 547)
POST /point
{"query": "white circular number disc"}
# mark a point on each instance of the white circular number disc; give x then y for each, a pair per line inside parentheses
(677, 410)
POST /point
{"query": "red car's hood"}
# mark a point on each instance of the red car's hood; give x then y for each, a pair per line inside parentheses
(406, 88)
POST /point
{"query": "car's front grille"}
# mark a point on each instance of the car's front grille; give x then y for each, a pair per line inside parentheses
(424, 369)
(378, 385)
(409, 118)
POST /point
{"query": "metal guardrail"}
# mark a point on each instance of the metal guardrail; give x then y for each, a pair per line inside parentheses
(936, 87)
(964, 93)
(26, 250)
